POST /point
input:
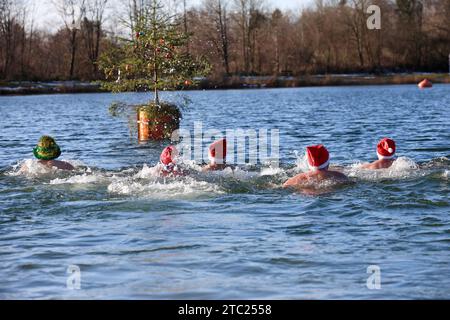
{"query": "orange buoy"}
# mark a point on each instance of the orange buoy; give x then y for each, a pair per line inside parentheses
(425, 83)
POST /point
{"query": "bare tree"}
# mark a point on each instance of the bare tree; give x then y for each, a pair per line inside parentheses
(356, 21)
(92, 30)
(276, 28)
(248, 18)
(72, 13)
(410, 28)
(236, 36)
(257, 20)
(217, 11)
(7, 23)
(241, 19)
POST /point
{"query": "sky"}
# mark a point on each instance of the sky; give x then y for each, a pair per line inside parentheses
(46, 16)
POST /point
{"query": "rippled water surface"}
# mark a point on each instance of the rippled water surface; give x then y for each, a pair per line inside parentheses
(228, 234)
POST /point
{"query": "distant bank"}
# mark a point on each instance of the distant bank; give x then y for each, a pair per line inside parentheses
(236, 82)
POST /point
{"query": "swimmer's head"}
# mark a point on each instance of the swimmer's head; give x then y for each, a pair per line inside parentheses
(318, 157)
(386, 149)
(46, 149)
(167, 158)
(217, 152)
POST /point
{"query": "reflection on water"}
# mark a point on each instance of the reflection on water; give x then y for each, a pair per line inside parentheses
(234, 233)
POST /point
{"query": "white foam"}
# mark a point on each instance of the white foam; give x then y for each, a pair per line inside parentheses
(240, 174)
(149, 183)
(301, 162)
(75, 163)
(401, 168)
(404, 163)
(33, 169)
(170, 188)
(272, 171)
(85, 178)
(148, 172)
(235, 173)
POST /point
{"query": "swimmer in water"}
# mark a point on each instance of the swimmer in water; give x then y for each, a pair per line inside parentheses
(318, 162)
(47, 151)
(217, 154)
(385, 153)
(168, 162)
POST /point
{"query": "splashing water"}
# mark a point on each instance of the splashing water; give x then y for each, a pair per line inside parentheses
(401, 168)
(301, 162)
(31, 168)
(446, 174)
(147, 182)
(185, 188)
(84, 178)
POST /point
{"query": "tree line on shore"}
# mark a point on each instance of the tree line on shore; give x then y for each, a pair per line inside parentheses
(237, 37)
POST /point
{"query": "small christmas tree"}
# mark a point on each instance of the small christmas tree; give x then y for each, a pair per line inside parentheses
(154, 59)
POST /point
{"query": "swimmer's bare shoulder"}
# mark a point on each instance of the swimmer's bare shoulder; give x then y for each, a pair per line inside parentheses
(378, 164)
(338, 176)
(307, 178)
(297, 180)
(62, 165)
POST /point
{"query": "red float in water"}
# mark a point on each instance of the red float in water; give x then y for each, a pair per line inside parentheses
(425, 83)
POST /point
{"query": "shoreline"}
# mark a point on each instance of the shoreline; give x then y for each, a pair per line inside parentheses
(234, 82)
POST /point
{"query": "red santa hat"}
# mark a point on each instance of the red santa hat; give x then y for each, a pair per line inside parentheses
(168, 155)
(318, 157)
(217, 151)
(386, 148)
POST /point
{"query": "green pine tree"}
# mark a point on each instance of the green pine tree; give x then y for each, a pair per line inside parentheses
(154, 59)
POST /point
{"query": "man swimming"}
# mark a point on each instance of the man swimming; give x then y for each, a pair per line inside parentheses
(47, 151)
(318, 162)
(385, 153)
(168, 162)
(217, 154)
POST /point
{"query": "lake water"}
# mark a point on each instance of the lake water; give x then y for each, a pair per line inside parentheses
(229, 234)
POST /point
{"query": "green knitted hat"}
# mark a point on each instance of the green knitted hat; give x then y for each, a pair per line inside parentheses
(47, 149)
